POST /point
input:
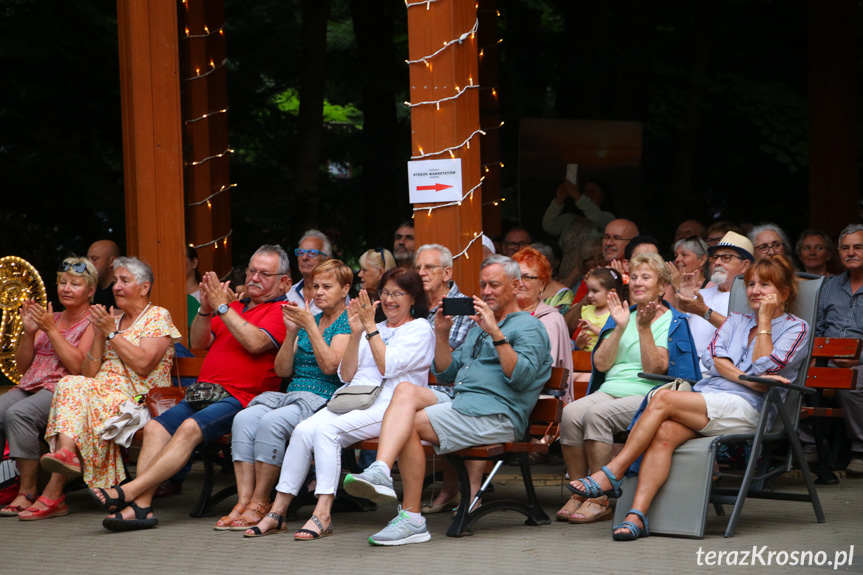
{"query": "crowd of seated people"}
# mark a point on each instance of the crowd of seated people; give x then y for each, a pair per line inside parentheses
(611, 293)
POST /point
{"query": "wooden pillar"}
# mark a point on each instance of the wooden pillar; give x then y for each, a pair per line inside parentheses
(451, 124)
(833, 114)
(152, 146)
(204, 83)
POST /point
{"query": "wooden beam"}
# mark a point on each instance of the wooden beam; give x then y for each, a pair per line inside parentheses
(152, 146)
(435, 128)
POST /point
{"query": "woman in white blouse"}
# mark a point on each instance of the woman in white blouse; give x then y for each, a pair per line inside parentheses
(401, 348)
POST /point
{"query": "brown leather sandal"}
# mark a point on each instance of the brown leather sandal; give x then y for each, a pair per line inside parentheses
(224, 524)
(593, 510)
(242, 523)
(572, 505)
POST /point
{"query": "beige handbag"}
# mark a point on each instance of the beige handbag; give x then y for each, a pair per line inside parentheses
(676, 385)
(354, 397)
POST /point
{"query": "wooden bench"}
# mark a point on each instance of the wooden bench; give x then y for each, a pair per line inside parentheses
(544, 421)
(161, 399)
(827, 380)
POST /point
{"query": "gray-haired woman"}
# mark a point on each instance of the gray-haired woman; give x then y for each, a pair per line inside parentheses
(131, 353)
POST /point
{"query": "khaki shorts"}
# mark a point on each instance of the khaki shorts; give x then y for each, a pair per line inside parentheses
(458, 431)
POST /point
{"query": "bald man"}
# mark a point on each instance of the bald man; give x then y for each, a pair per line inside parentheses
(102, 254)
(616, 238)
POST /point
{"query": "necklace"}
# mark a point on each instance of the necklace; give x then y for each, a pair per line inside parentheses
(134, 322)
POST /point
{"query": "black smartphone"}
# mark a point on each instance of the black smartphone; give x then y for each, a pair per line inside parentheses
(458, 306)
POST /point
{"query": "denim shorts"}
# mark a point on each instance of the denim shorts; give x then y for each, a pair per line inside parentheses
(214, 420)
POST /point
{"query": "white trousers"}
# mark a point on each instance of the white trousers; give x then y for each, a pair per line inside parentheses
(325, 434)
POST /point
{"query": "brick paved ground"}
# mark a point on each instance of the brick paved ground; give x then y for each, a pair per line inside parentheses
(502, 544)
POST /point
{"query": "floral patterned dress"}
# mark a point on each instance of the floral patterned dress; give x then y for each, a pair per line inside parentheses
(82, 404)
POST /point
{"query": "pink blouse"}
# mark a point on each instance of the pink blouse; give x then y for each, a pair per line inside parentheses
(47, 369)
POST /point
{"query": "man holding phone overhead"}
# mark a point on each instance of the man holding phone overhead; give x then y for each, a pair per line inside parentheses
(498, 372)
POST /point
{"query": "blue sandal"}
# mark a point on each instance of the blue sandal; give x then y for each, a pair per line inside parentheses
(634, 531)
(594, 491)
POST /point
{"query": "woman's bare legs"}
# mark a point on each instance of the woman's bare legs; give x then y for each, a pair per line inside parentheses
(656, 465)
(684, 407)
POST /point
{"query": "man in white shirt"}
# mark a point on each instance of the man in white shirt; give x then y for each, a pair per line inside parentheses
(707, 308)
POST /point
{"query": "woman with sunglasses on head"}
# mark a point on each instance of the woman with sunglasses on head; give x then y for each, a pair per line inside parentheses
(130, 353)
(397, 349)
(373, 265)
(51, 347)
(310, 355)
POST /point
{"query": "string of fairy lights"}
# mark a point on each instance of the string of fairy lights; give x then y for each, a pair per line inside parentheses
(427, 60)
(211, 68)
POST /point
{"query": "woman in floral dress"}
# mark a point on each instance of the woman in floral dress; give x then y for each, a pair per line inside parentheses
(130, 354)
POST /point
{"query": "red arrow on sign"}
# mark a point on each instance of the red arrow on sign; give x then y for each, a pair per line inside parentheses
(436, 187)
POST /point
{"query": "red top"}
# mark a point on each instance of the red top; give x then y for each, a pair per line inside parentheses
(242, 374)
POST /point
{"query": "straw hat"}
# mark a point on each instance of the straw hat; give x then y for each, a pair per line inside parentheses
(740, 244)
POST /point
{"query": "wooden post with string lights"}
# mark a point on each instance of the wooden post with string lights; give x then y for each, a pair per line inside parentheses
(203, 68)
(152, 146)
(445, 124)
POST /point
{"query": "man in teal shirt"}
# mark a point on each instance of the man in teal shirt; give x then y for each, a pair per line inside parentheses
(498, 372)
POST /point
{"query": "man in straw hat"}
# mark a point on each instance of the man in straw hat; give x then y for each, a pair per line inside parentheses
(707, 308)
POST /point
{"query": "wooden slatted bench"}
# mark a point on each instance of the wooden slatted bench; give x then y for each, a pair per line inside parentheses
(827, 380)
(544, 421)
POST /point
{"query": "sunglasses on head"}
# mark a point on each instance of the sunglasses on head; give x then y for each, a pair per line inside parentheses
(79, 267)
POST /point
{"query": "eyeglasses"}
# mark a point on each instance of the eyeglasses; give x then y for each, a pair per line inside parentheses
(529, 277)
(713, 241)
(311, 253)
(408, 237)
(767, 248)
(477, 345)
(252, 272)
(726, 258)
(516, 244)
(393, 294)
(79, 267)
(606, 237)
(425, 267)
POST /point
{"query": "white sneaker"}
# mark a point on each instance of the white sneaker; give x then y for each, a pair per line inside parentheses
(374, 484)
(401, 531)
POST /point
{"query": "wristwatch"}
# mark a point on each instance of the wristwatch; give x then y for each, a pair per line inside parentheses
(707, 314)
(112, 335)
(369, 336)
(500, 341)
(222, 309)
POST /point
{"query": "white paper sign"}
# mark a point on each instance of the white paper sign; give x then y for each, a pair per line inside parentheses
(434, 181)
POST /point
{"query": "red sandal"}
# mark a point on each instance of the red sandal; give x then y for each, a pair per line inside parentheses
(61, 461)
(54, 508)
(14, 510)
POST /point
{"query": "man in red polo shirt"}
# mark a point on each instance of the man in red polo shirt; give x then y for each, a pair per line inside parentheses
(243, 338)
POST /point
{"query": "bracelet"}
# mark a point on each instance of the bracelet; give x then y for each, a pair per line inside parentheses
(93, 358)
(764, 332)
(205, 314)
(371, 335)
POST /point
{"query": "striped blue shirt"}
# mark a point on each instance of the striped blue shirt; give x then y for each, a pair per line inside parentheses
(790, 335)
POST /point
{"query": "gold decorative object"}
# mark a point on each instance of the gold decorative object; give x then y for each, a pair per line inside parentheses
(19, 281)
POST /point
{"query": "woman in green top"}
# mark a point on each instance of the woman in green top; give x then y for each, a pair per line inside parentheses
(635, 344)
